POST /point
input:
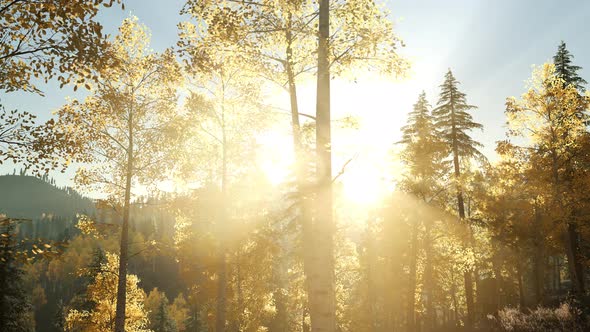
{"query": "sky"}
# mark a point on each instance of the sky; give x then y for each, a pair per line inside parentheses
(489, 45)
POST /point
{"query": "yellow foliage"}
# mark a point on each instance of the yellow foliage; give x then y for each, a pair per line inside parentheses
(103, 292)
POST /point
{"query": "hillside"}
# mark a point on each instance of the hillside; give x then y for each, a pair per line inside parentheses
(32, 198)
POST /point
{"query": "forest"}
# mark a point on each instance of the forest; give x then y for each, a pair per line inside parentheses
(191, 187)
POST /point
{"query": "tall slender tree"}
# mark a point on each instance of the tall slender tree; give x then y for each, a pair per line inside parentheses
(454, 122)
(225, 114)
(323, 299)
(422, 155)
(422, 149)
(126, 128)
(281, 37)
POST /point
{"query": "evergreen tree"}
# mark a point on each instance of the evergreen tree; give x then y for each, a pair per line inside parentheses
(160, 319)
(163, 321)
(454, 123)
(423, 149)
(423, 156)
(15, 309)
(59, 321)
(565, 69)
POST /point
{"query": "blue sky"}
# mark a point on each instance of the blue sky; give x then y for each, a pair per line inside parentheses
(489, 45)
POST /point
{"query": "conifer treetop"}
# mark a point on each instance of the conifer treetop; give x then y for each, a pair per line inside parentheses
(565, 69)
(453, 120)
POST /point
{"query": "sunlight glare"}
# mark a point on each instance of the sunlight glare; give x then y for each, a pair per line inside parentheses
(275, 156)
(379, 107)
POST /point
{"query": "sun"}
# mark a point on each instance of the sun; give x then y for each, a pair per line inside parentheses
(363, 187)
(361, 150)
(380, 107)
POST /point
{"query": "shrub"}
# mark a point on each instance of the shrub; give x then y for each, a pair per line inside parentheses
(566, 318)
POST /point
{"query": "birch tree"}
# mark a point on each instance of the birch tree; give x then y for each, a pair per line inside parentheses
(126, 129)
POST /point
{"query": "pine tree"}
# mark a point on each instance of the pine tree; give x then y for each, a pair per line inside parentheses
(163, 321)
(423, 156)
(15, 308)
(565, 69)
(159, 313)
(454, 123)
(423, 149)
(59, 322)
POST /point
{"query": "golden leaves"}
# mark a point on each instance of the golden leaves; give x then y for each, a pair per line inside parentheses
(131, 109)
(103, 291)
(48, 39)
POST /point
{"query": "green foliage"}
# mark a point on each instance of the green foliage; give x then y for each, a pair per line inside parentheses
(31, 198)
(156, 304)
(423, 151)
(16, 313)
(453, 120)
(564, 68)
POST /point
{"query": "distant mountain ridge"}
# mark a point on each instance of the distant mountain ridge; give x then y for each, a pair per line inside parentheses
(23, 196)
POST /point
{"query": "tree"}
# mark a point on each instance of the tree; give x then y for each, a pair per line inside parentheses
(280, 37)
(565, 69)
(549, 116)
(41, 40)
(127, 128)
(454, 123)
(15, 307)
(156, 305)
(321, 278)
(423, 151)
(179, 311)
(225, 114)
(37, 147)
(103, 293)
(512, 208)
(422, 156)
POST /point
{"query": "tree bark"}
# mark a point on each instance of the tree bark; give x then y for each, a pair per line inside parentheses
(323, 312)
(300, 171)
(572, 249)
(573, 259)
(222, 255)
(430, 322)
(124, 246)
(539, 259)
(521, 298)
(469, 298)
(410, 315)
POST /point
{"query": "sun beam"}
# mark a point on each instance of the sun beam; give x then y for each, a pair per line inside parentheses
(362, 148)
